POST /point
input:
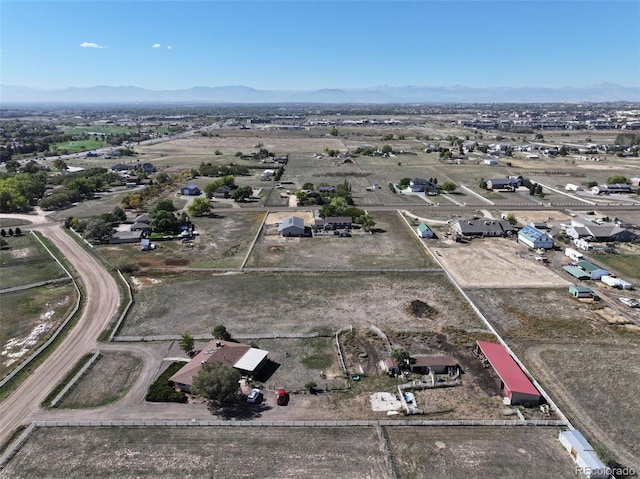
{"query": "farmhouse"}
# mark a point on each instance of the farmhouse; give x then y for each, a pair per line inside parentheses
(190, 190)
(509, 184)
(140, 226)
(120, 237)
(424, 231)
(267, 175)
(334, 222)
(223, 191)
(435, 364)
(482, 227)
(611, 189)
(514, 383)
(581, 292)
(599, 232)
(583, 454)
(240, 356)
(593, 270)
(292, 226)
(534, 238)
(418, 185)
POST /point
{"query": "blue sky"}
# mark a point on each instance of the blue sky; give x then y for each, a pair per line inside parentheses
(303, 45)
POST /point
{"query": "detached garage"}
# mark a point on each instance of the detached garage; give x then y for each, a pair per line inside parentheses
(534, 238)
(292, 226)
(515, 384)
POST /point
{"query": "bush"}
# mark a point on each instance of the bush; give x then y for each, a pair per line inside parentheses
(162, 391)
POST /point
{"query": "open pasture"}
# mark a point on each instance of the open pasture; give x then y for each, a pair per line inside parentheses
(229, 452)
(293, 302)
(479, 452)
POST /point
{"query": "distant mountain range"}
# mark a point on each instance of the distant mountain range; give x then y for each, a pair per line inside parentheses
(605, 92)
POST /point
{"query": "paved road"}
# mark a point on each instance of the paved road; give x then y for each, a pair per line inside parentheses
(102, 300)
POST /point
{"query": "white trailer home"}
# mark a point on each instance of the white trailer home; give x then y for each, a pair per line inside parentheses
(616, 282)
(573, 254)
(572, 187)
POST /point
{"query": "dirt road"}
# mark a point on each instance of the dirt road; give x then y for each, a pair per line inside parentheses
(102, 300)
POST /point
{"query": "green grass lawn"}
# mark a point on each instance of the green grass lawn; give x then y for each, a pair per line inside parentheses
(627, 265)
(77, 146)
(26, 262)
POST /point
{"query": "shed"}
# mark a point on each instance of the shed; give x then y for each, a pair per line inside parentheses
(534, 237)
(437, 364)
(515, 384)
(584, 455)
(424, 231)
(594, 271)
(190, 190)
(576, 272)
(291, 226)
(391, 367)
(581, 292)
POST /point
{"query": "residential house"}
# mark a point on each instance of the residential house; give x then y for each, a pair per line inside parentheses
(120, 237)
(223, 191)
(190, 190)
(419, 185)
(482, 227)
(509, 184)
(583, 228)
(249, 361)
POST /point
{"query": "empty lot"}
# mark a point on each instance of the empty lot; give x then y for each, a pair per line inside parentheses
(293, 302)
(197, 452)
(493, 263)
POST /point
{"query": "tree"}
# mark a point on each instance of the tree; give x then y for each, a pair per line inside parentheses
(511, 218)
(162, 178)
(307, 186)
(405, 182)
(449, 186)
(366, 221)
(60, 164)
(617, 179)
(165, 205)
(333, 131)
(217, 383)
(163, 221)
(3, 233)
(311, 386)
(242, 194)
(220, 332)
(18, 231)
(187, 343)
(118, 214)
(386, 149)
(199, 207)
(97, 230)
(539, 136)
(401, 357)
(3, 243)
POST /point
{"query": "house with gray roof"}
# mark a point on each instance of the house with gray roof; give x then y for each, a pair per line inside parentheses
(482, 227)
(292, 226)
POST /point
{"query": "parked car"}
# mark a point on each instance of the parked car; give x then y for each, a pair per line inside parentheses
(632, 303)
(282, 398)
(253, 396)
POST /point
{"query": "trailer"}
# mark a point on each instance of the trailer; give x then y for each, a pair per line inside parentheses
(616, 282)
(573, 254)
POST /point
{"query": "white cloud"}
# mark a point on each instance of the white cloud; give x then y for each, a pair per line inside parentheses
(156, 45)
(91, 45)
(169, 47)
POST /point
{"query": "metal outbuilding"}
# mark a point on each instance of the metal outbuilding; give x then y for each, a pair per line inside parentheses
(577, 272)
(594, 271)
(583, 454)
(515, 384)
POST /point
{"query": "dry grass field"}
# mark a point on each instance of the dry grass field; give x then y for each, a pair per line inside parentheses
(293, 302)
(596, 384)
(479, 452)
(494, 263)
(28, 319)
(197, 452)
(107, 380)
(392, 246)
